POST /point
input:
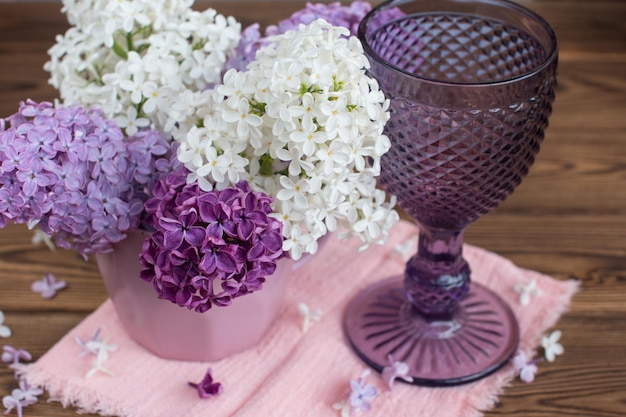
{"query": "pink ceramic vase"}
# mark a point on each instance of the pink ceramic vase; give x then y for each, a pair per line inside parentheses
(173, 332)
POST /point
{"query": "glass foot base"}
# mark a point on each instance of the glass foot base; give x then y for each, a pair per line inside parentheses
(481, 338)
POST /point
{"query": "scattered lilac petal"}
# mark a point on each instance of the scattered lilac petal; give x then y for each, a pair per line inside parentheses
(407, 248)
(48, 286)
(343, 407)
(309, 315)
(395, 370)
(11, 403)
(551, 346)
(361, 393)
(40, 237)
(98, 366)
(526, 368)
(358, 398)
(21, 397)
(14, 357)
(5, 331)
(527, 373)
(29, 395)
(101, 349)
(83, 344)
(527, 291)
(207, 388)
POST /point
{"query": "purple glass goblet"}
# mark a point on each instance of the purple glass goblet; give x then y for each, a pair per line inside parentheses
(471, 85)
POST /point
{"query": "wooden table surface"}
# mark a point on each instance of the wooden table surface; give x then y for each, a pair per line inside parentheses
(567, 219)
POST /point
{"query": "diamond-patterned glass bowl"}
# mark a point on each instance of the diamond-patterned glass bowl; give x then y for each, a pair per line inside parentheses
(450, 164)
(471, 85)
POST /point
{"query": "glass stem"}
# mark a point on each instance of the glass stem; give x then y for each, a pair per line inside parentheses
(437, 277)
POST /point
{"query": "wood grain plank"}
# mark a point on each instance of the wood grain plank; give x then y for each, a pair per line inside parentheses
(575, 170)
(22, 263)
(567, 219)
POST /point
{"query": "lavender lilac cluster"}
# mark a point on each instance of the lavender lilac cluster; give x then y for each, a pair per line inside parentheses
(208, 247)
(335, 13)
(74, 173)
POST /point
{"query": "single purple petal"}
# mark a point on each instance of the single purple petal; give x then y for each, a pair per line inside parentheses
(183, 295)
(195, 236)
(231, 287)
(273, 241)
(215, 232)
(173, 234)
(48, 286)
(267, 268)
(228, 195)
(225, 261)
(208, 264)
(245, 228)
(259, 218)
(256, 252)
(222, 299)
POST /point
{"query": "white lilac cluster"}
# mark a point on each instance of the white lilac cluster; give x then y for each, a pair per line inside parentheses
(304, 124)
(135, 59)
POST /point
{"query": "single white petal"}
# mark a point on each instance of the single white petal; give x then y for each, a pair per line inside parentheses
(5, 331)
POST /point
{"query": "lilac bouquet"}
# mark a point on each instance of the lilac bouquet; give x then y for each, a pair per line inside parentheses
(304, 124)
(165, 124)
(73, 173)
(165, 67)
(208, 247)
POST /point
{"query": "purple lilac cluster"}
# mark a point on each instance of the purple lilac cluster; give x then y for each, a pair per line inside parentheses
(334, 13)
(208, 247)
(151, 157)
(73, 173)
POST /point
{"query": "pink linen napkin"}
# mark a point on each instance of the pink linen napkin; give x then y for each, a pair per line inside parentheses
(291, 373)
